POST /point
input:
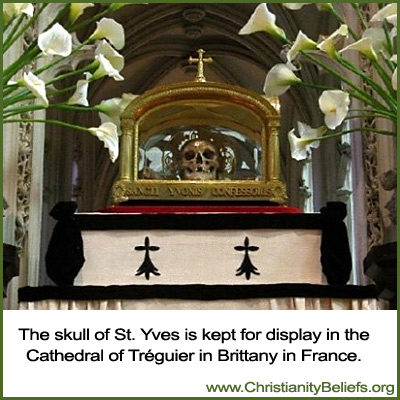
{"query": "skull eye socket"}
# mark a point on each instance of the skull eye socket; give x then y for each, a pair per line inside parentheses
(189, 155)
(209, 154)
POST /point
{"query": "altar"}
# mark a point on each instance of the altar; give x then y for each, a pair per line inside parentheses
(173, 258)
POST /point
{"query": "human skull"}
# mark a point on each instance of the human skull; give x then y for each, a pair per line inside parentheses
(199, 161)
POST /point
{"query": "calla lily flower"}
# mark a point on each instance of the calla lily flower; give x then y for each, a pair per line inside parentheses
(302, 43)
(110, 62)
(111, 30)
(335, 105)
(385, 12)
(394, 79)
(106, 69)
(377, 36)
(116, 59)
(37, 87)
(364, 46)
(329, 44)
(298, 6)
(108, 134)
(279, 79)
(295, 6)
(10, 10)
(300, 146)
(81, 92)
(77, 10)
(56, 41)
(262, 20)
(394, 76)
(392, 19)
(111, 109)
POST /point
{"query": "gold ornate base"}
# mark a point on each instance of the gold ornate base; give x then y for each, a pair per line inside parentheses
(273, 191)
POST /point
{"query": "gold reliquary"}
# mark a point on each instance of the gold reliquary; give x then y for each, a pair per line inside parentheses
(200, 141)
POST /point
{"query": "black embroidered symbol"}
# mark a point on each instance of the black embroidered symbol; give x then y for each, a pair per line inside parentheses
(247, 266)
(147, 266)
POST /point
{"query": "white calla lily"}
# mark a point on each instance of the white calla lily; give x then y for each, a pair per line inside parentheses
(295, 6)
(329, 44)
(394, 58)
(77, 10)
(111, 30)
(110, 62)
(116, 59)
(394, 79)
(37, 87)
(308, 139)
(262, 20)
(364, 46)
(385, 12)
(377, 36)
(81, 92)
(11, 10)
(335, 106)
(279, 79)
(302, 43)
(56, 41)
(392, 19)
(106, 69)
(108, 134)
(111, 109)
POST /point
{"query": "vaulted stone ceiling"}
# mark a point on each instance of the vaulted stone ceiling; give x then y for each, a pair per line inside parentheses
(161, 37)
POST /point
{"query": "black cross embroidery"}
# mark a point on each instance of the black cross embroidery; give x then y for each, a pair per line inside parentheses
(247, 266)
(147, 266)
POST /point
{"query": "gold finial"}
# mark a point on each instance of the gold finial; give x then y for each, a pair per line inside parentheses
(200, 65)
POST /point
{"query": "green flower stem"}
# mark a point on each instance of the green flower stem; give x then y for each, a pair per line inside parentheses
(59, 16)
(58, 60)
(358, 93)
(385, 95)
(385, 78)
(31, 21)
(357, 9)
(377, 113)
(23, 109)
(46, 121)
(24, 95)
(21, 96)
(388, 40)
(372, 130)
(8, 89)
(27, 57)
(20, 110)
(7, 24)
(368, 100)
(71, 107)
(14, 29)
(354, 35)
(367, 116)
(359, 130)
(312, 86)
(68, 75)
(391, 65)
(74, 27)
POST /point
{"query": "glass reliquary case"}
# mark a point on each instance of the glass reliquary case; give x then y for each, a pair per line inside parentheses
(199, 141)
